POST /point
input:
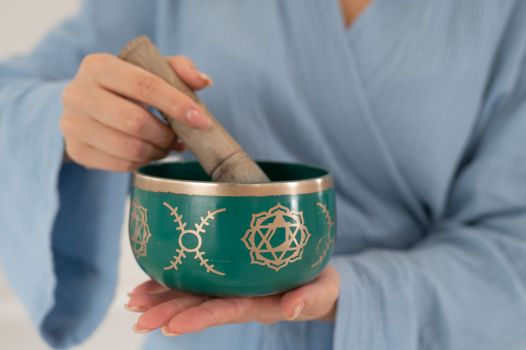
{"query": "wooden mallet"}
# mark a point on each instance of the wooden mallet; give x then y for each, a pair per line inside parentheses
(219, 154)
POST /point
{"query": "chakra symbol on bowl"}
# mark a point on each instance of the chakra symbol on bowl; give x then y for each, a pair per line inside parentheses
(276, 237)
(141, 232)
(329, 239)
(190, 240)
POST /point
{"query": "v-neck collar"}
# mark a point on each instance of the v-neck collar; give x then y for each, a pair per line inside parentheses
(355, 28)
(379, 20)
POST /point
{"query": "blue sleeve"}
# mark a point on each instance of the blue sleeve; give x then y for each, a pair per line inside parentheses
(464, 285)
(60, 229)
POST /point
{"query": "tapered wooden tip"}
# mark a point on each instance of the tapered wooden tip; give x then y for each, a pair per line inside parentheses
(132, 45)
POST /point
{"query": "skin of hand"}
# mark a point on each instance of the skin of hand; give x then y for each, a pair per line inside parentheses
(352, 9)
(105, 122)
(176, 312)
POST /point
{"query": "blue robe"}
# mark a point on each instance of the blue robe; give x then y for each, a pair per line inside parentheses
(418, 110)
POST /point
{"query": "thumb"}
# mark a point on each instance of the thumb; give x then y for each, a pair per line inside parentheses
(315, 300)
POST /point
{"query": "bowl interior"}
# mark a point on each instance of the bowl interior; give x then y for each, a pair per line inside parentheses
(192, 171)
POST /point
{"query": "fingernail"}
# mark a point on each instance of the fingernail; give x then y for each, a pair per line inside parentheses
(297, 310)
(205, 77)
(138, 329)
(197, 119)
(165, 332)
(133, 308)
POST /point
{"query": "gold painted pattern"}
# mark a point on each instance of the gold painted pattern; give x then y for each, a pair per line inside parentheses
(196, 233)
(276, 237)
(329, 220)
(141, 231)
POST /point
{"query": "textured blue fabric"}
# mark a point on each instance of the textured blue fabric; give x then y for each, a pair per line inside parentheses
(418, 109)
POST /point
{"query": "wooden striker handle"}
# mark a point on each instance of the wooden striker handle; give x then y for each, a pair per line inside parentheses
(219, 154)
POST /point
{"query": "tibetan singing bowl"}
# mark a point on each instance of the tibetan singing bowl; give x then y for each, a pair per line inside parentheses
(231, 239)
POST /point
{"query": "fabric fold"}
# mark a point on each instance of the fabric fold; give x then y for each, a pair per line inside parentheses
(31, 147)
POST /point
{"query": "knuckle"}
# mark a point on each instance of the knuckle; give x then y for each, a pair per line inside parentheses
(235, 309)
(146, 85)
(136, 122)
(136, 149)
(71, 95)
(76, 153)
(89, 61)
(68, 93)
(334, 289)
(211, 316)
(66, 125)
(184, 60)
(225, 311)
(95, 60)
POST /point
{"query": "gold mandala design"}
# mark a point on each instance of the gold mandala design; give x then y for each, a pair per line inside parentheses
(141, 232)
(194, 234)
(329, 221)
(276, 237)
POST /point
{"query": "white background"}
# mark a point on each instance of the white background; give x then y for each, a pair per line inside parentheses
(22, 25)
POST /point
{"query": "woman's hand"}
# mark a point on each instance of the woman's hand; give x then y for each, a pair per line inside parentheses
(177, 312)
(105, 123)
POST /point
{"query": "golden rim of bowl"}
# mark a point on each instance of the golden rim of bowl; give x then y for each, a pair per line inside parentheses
(226, 189)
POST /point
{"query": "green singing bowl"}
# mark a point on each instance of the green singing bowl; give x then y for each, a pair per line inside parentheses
(231, 239)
